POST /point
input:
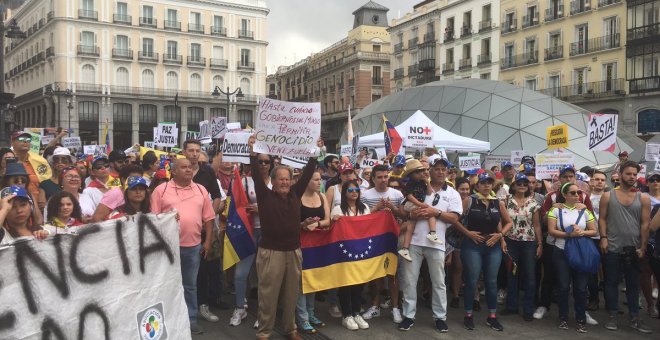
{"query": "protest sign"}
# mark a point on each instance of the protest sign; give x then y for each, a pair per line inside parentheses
(218, 127)
(35, 143)
(380, 153)
(89, 149)
(149, 144)
(288, 128)
(119, 279)
(71, 142)
(642, 170)
(294, 162)
(652, 151)
(602, 132)
(516, 157)
(102, 150)
(556, 136)
(493, 160)
(167, 135)
(235, 147)
(419, 137)
(192, 135)
(442, 153)
(547, 165)
(234, 127)
(346, 150)
(368, 163)
(205, 132)
(469, 163)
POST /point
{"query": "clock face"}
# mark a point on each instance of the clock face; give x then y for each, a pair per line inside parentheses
(375, 19)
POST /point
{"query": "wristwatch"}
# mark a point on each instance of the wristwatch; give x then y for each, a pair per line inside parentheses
(439, 213)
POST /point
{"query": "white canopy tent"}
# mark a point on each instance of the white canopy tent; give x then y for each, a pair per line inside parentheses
(441, 137)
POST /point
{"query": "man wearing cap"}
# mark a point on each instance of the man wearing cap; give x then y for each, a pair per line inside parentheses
(398, 167)
(331, 175)
(36, 166)
(446, 206)
(623, 157)
(60, 159)
(508, 174)
(118, 160)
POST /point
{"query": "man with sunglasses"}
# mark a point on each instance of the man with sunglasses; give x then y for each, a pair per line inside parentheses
(60, 159)
(446, 205)
(36, 166)
(118, 160)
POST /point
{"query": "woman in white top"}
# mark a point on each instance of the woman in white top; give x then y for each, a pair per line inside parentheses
(346, 173)
(350, 297)
(573, 222)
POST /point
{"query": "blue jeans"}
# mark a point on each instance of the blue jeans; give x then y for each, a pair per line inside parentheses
(409, 275)
(565, 274)
(478, 257)
(243, 268)
(614, 267)
(305, 307)
(190, 258)
(523, 254)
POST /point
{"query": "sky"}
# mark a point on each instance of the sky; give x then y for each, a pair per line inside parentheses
(297, 28)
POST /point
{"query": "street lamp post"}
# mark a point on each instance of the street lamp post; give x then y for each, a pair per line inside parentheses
(70, 107)
(12, 32)
(68, 93)
(218, 91)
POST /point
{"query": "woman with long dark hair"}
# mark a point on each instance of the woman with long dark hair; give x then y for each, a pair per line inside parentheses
(350, 297)
(63, 211)
(16, 220)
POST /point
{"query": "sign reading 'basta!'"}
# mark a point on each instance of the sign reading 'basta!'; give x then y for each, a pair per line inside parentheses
(287, 128)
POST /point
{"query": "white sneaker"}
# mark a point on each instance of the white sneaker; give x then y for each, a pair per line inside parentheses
(256, 324)
(237, 317)
(655, 293)
(501, 296)
(433, 237)
(206, 314)
(591, 321)
(540, 313)
(372, 312)
(396, 315)
(405, 254)
(349, 323)
(360, 322)
(387, 303)
(334, 311)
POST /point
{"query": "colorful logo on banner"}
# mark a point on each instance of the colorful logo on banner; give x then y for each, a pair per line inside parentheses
(557, 136)
(602, 132)
(151, 323)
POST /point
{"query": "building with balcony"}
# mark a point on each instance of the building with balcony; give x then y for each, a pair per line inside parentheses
(125, 62)
(570, 49)
(353, 71)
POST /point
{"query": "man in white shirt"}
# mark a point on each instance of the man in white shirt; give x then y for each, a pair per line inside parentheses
(597, 182)
(445, 204)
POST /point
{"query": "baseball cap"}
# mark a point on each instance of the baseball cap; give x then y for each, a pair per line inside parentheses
(20, 192)
(623, 153)
(506, 164)
(433, 160)
(17, 134)
(484, 176)
(343, 167)
(566, 168)
(652, 173)
(100, 158)
(133, 181)
(61, 151)
(520, 177)
(527, 159)
(117, 155)
(399, 160)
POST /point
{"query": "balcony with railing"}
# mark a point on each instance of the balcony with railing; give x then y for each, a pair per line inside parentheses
(530, 20)
(427, 64)
(50, 52)
(412, 43)
(122, 53)
(218, 63)
(219, 30)
(588, 91)
(527, 58)
(88, 51)
(245, 34)
(148, 56)
(552, 14)
(172, 25)
(646, 84)
(171, 58)
(466, 31)
(123, 19)
(595, 44)
(580, 6)
(554, 53)
(398, 48)
(148, 22)
(42, 23)
(429, 36)
(509, 26)
(398, 73)
(195, 28)
(604, 3)
(377, 81)
(413, 70)
(332, 88)
(196, 61)
(465, 64)
(449, 36)
(340, 86)
(648, 33)
(88, 15)
(51, 15)
(427, 77)
(483, 59)
(485, 25)
(447, 68)
(351, 82)
(245, 65)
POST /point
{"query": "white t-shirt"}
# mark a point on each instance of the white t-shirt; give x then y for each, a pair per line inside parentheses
(448, 201)
(595, 202)
(569, 216)
(95, 196)
(371, 197)
(336, 211)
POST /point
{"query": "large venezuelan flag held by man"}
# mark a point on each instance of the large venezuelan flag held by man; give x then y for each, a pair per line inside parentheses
(238, 243)
(393, 140)
(356, 250)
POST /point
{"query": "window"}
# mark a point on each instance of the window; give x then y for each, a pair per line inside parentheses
(245, 117)
(148, 15)
(122, 79)
(195, 115)
(88, 75)
(195, 82)
(375, 75)
(172, 81)
(245, 57)
(376, 48)
(218, 21)
(196, 18)
(195, 52)
(172, 50)
(87, 39)
(218, 52)
(171, 16)
(148, 119)
(148, 47)
(88, 111)
(554, 84)
(172, 114)
(484, 75)
(245, 25)
(122, 9)
(245, 85)
(218, 81)
(580, 80)
(218, 112)
(148, 79)
(122, 113)
(530, 84)
(87, 5)
(121, 45)
(648, 121)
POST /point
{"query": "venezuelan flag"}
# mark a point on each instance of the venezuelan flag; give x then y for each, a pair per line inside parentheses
(106, 137)
(356, 250)
(238, 242)
(393, 140)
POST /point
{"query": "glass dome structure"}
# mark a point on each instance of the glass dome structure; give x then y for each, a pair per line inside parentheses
(507, 116)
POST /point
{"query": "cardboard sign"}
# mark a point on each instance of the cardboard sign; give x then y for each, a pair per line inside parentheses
(557, 136)
(294, 162)
(442, 152)
(493, 160)
(368, 163)
(516, 157)
(101, 150)
(35, 143)
(287, 128)
(71, 142)
(118, 279)
(192, 135)
(547, 165)
(602, 132)
(234, 127)
(652, 152)
(205, 132)
(149, 144)
(167, 135)
(642, 170)
(419, 137)
(89, 149)
(218, 127)
(346, 150)
(235, 147)
(469, 163)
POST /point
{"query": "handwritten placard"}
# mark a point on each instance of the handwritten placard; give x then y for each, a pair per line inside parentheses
(218, 127)
(167, 135)
(346, 150)
(547, 165)
(72, 142)
(287, 128)
(89, 149)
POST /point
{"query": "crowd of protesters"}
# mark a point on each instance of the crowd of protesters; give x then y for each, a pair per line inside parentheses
(502, 233)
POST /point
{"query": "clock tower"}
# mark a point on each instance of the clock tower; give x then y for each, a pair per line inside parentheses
(371, 14)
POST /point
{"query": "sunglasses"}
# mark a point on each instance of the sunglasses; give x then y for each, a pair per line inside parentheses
(572, 193)
(262, 162)
(654, 180)
(522, 183)
(123, 161)
(24, 139)
(61, 159)
(436, 199)
(19, 179)
(351, 190)
(100, 166)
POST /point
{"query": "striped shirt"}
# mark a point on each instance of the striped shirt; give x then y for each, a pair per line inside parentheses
(371, 197)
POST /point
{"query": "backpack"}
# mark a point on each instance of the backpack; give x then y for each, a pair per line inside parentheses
(453, 236)
(581, 252)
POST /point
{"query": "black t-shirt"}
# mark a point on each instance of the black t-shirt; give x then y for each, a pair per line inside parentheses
(206, 178)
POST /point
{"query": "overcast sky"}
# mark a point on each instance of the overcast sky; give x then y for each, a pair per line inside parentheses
(297, 28)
